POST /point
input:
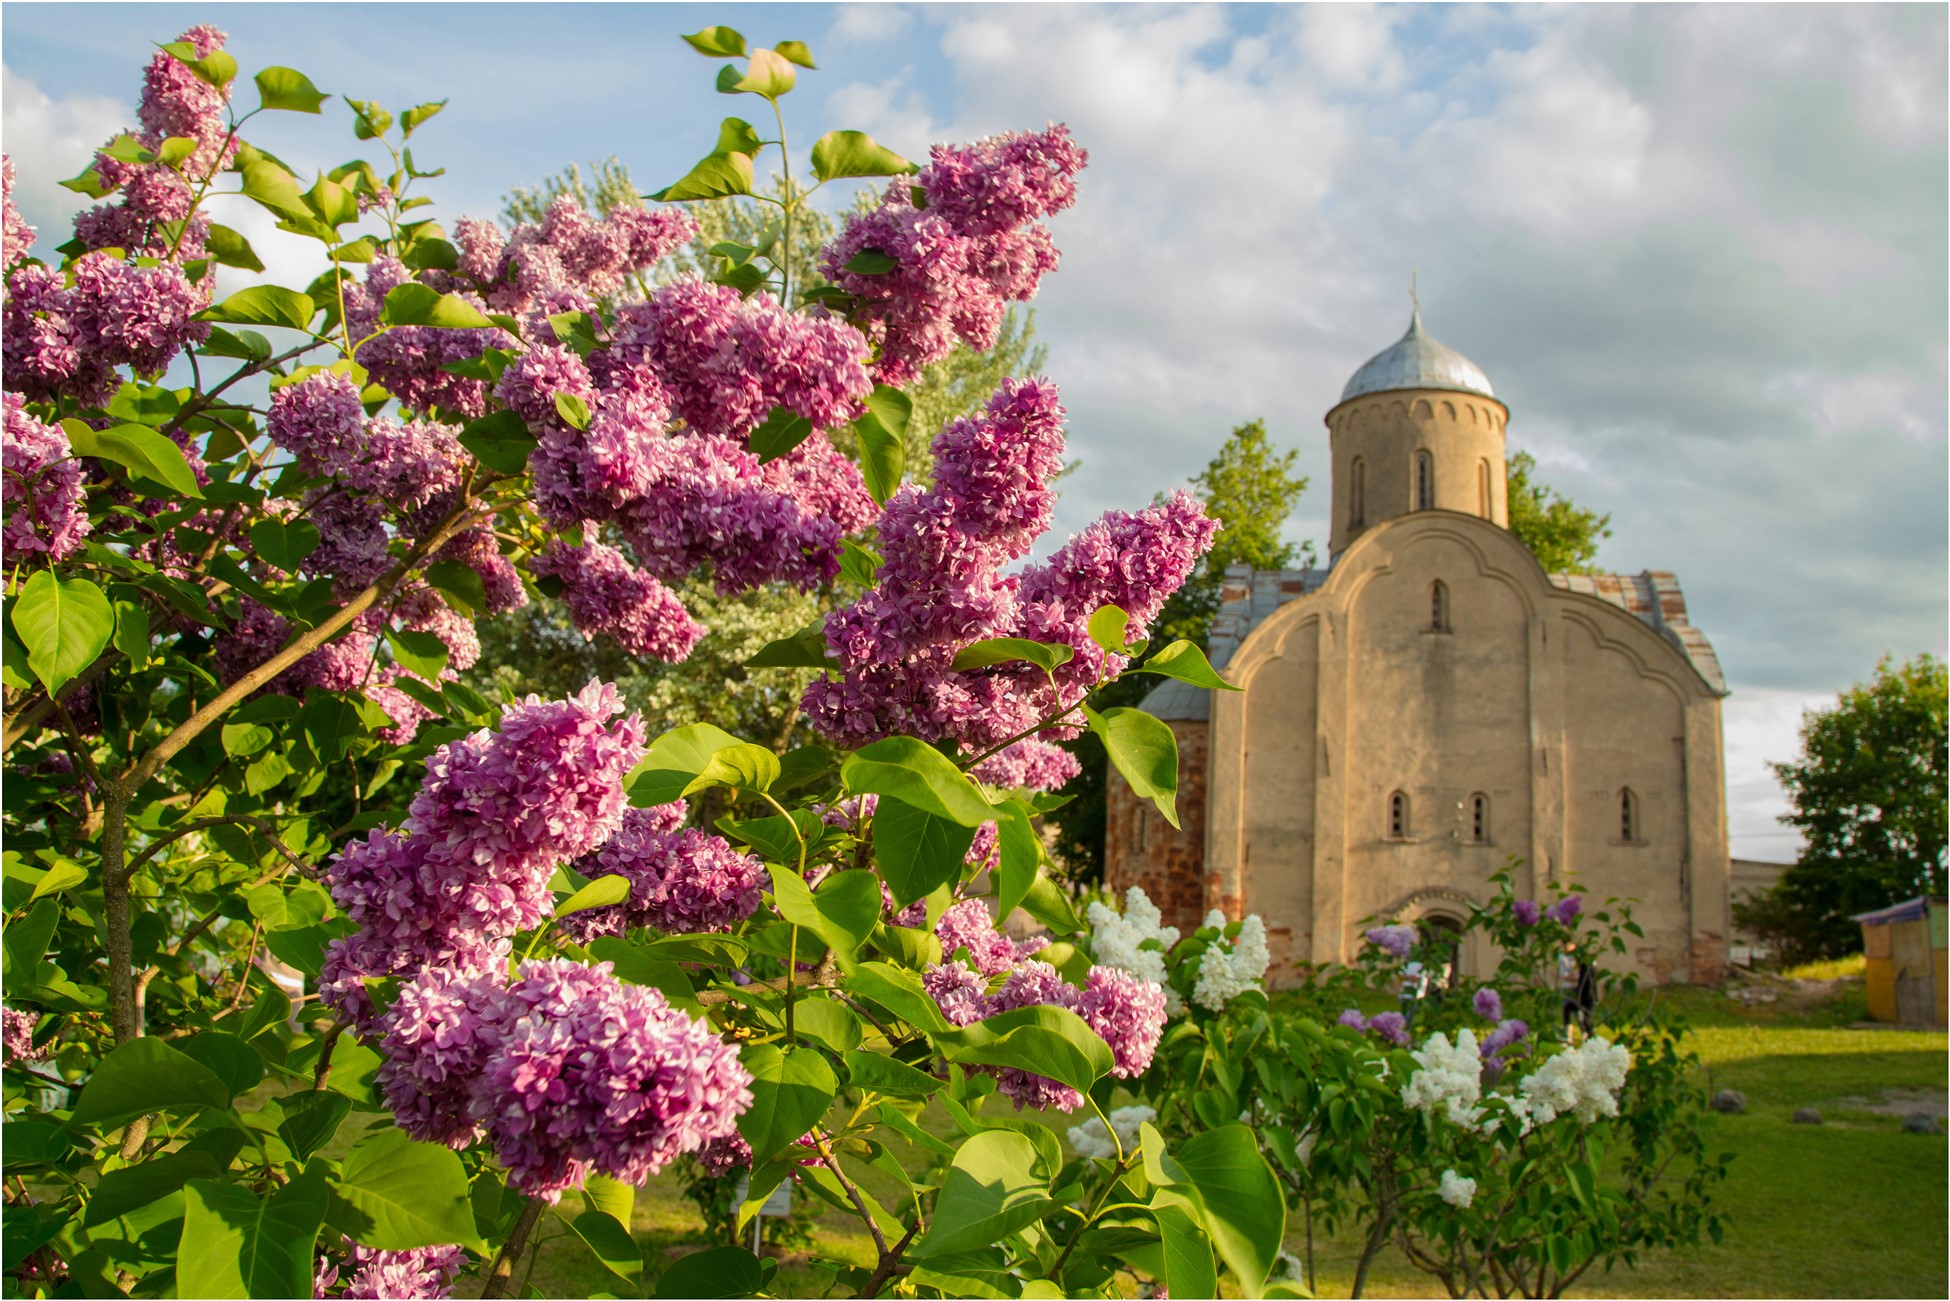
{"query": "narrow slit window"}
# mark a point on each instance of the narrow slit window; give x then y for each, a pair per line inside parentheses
(1357, 498)
(1479, 819)
(1398, 816)
(1424, 481)
(1483, 488)
(1628, 816)
(1439, 606)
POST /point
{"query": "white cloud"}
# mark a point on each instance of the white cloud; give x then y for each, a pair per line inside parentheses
(50, 140)
(1762, 727)
(1351, 46)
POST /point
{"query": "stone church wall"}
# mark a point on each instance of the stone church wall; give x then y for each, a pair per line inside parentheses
(1141, 849)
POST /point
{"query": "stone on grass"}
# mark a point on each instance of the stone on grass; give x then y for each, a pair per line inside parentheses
(1731, 1101)
(1919, 1122)
(1807, 1116)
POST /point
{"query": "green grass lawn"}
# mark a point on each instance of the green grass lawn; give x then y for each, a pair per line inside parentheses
(1851, 1208)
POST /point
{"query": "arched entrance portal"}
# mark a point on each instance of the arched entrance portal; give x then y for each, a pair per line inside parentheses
(1442, 935)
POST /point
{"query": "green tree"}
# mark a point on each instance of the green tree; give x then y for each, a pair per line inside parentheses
(1868, 795)
(536, 649)
(1251, 489)
(1563, 536)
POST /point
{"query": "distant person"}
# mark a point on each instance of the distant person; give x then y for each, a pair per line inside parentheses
(1578, 986)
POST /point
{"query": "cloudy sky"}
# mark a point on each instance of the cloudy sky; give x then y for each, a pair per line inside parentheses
(1700, 251)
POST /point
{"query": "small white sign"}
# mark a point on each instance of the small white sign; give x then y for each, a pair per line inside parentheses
(778, 1206)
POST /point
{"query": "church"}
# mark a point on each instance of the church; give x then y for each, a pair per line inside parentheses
(1433, 704)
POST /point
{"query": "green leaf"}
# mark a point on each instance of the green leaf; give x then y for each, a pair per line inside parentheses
(1010, 650)
(237, 1244)
(89, 182)
(782, 430)
(766, 74)
(416, 304)
(880, 1074)
(311, 1118)
(829, 1024)
(603, 892)
(461, 583)
(674, 760)
(854, 153)
(777, 838)
(805, 649)
(241, 740)
(871, 262)
(1019, 855)
(64, 623)
(790, 1092)
(796, 52)
(715, 1271)
(899, 991)
(418, 652)
(1108, 628)
(1245, 1211)
(917, 773)
(396, 1194)
(917, 852)
(411, 119)
(857, 564)
(275, 188)
(1046, 1040)
(330, 724)
(842, 913)
(638, 966)
(429, 253)
(736, 136)
(280, 908)
(369, 121)
(715, 176)
(610, 1196)
(246, 344)
(229, 1058)
(288, 89)
(265, 305)
(573, 410)
(718, 42)
(883, 448)
(120, 1191)
(131, 635)
(991, 1192)
(611, 1243)
(226, 247)
(284, 542)
(145, 1075)
(218, 67)
(1186, 662)
(175, 149)
(1144, 752)
(26, 940)
(1189, 1269)
(500, 442)
(144, 451)
(64, 875)
(742, 765)
(333, 203)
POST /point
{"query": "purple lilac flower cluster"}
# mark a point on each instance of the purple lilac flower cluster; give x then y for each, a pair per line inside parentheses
(1127, 1012)
(17, 1036)
(682, 881)
(1565, 910)
(1507, 1034)
(605, 594)
(494, 816)
(1528, 912)
(1392, 1026)
(418, 1274)
(40, 488)
(16, 236)
(569, 259)
(941, 586)
(65, 340)
(969, 925)
(410, 360)
(1396, 940)
(973, 246)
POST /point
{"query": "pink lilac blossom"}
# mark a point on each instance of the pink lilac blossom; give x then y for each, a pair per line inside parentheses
(409, 360)
(418, 1274)
(681, 881)
(177, 102)
(722, 1157)
(19, 1036)
(1527, 911)
(1506, 1034)
(16, 236)
(607, 595)
(1004, 181)
(138, 316)
(568, 251)
(500, 580)
(1488, 1004)
(823, 482)
(40, 488)
(352, 539)
(969, 925)
(1031, 764)
(501, 809)
(47, 349)
(590, 1074)
(1565, 910)
(1392, 1026)
(726, 359)
(1395, 940)
(961, 995)
(436, 1037)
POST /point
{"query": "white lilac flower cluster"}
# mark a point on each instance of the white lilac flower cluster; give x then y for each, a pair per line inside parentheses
(1450, 1080)
(1117, 938)
(1091, 1140)
(1583, 1081)
(1226, 973)
(1456, 1190)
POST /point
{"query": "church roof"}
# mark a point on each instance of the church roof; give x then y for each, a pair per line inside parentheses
(1418, 360)
(1250, 595)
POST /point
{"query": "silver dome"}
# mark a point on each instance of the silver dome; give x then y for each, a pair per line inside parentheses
(1418, 361)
